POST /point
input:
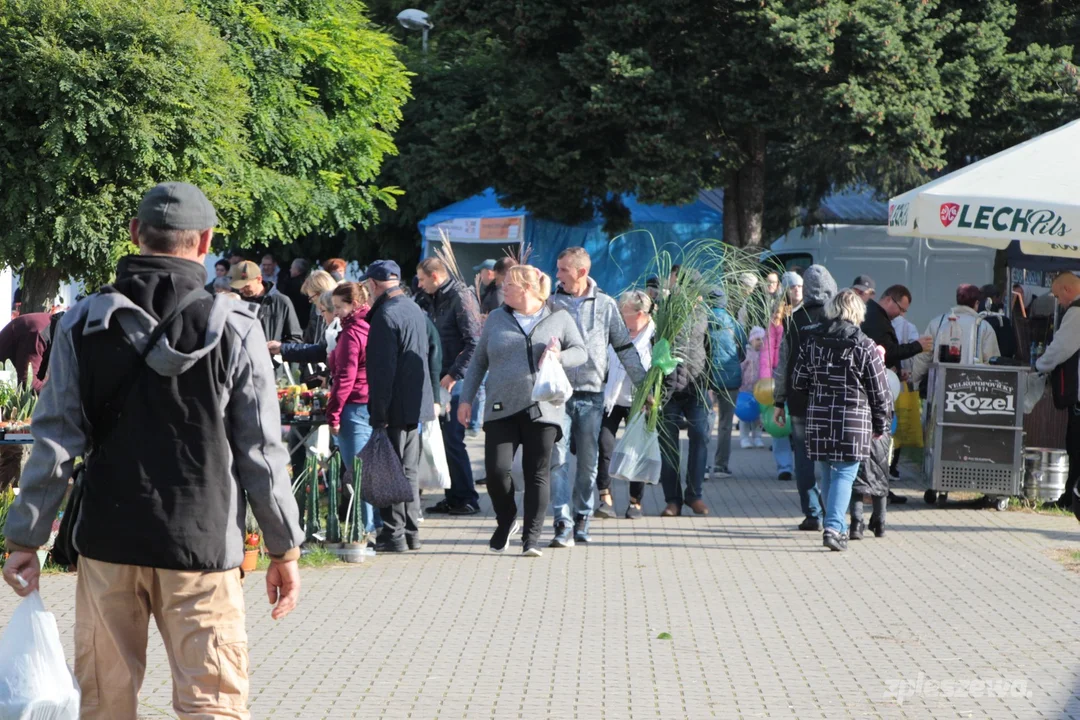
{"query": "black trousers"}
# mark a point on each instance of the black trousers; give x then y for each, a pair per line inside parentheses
(1072, 447)
(502, 438)
(608, 429)
(401, 521)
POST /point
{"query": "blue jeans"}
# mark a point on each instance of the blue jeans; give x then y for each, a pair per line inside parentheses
(462, 488)
(836, 481)
(781, 452)
(477, 420)
(584, 415)
(353, 436)
(692, 407)
(805, 480)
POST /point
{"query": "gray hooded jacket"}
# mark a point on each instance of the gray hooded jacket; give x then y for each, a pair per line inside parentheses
(198, 438)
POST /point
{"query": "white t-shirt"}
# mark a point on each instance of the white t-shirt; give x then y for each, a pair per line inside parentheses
(528, 322)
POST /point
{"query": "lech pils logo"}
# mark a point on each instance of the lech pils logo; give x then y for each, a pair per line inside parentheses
(1034, 221)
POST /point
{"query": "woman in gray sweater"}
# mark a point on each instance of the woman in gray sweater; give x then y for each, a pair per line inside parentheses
(517, 338)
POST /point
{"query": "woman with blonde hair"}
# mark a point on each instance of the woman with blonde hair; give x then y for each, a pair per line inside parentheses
(841, 370)
(770, 358)
(517, 339)
(313, 349)
(636, 308)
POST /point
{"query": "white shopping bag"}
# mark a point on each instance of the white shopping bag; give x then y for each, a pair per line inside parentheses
(636, 457)
(551, 385)
(35, 682)
(434, 470)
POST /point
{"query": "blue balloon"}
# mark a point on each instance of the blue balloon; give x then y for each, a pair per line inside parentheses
(893, 430)
(746, 407)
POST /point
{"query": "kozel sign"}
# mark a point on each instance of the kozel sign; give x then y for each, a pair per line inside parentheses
(1004, 219)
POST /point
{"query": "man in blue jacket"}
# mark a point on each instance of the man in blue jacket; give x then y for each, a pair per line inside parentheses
(728, 341)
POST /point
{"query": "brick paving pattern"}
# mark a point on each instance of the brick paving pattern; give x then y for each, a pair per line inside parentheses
(763, 621)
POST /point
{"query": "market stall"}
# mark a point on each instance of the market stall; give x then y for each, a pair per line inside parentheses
(1027, 195)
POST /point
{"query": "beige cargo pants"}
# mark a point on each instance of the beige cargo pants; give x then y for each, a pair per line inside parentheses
(200, 616)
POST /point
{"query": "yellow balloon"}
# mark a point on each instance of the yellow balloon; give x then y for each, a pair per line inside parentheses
(763, 391)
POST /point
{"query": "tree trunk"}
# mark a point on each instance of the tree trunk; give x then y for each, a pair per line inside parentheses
(744, 196)
(39, 287)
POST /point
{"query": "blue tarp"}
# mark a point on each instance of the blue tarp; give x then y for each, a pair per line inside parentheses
(617, 263)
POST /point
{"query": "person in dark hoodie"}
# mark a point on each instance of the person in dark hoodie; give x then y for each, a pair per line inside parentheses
(168, 395)
(819, 287)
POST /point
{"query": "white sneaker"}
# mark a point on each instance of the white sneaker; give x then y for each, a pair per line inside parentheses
(759, 443)
(720, 474)
(745, 444)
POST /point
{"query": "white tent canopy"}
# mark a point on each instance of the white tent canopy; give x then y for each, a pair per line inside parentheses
(1030, 193)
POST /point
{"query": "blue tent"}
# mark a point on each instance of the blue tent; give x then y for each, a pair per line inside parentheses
(479, 228)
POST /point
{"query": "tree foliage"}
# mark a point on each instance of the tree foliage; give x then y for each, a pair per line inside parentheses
(779, 102)
(282, 110)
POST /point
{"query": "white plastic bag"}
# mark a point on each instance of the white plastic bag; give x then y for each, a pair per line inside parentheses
(35, 682)
(434, 470)
(636, 457)
(551, 385)
(1034, 388)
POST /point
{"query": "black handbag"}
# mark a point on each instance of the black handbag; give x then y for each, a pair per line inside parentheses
(64, 551)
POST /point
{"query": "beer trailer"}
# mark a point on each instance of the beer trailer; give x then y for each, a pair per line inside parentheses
(974, 434)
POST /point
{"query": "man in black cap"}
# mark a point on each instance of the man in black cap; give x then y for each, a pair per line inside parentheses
(167, 393)
(400, 395)
(864, 287)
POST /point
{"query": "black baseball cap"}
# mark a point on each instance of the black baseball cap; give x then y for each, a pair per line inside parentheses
(177, 206)
(864, 283)
(381, 271)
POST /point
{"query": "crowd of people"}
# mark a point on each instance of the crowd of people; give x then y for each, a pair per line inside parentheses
(164, 385)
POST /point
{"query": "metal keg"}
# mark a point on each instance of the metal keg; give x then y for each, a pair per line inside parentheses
(1045, 473)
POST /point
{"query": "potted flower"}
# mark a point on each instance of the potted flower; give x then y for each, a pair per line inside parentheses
(251, 552)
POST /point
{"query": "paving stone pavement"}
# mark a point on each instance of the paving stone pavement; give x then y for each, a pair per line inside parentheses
(957, 612)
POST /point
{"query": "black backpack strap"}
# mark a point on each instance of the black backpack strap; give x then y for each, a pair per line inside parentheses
(108, 416)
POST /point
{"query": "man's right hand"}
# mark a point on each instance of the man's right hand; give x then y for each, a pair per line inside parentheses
(464, 413)
(25, 565)
(274, 347)
(282, 587)
(927, 343)
(779, 417)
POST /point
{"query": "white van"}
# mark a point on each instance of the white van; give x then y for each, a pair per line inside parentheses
(931, 269)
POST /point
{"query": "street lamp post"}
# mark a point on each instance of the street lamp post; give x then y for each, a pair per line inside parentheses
(412, 19)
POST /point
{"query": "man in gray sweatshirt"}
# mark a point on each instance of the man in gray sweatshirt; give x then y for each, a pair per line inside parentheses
(598, 318)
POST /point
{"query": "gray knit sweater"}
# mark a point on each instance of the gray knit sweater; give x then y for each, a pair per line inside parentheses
(510, 360)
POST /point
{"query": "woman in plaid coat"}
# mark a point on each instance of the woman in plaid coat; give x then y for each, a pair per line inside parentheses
(844, 376)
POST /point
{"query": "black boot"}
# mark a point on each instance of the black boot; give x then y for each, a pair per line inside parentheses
(855, 532)
(877, 526)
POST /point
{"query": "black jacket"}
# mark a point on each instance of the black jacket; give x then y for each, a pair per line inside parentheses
(174, 447)
(277, 316)
(841, 371)
(289, 286)
(399, 381)
(434, 358)
(456, 315)
(879, 328)
(873, 476)
(491, 298)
